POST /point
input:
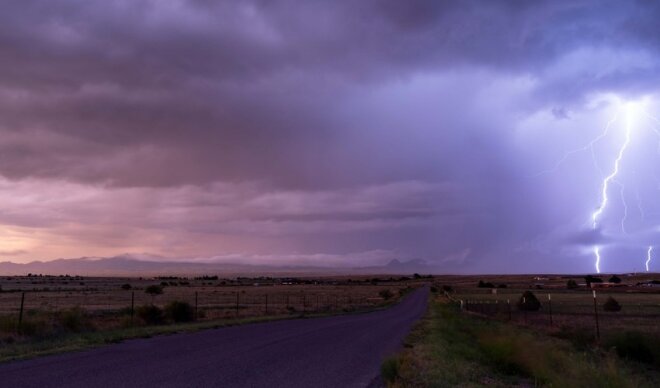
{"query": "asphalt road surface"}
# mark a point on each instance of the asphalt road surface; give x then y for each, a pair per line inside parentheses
(340, 351)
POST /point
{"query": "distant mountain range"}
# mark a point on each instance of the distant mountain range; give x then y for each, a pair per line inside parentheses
(130, 266)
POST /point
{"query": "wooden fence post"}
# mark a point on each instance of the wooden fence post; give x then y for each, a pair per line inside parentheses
(237, 303)
(550, 308)
(596, 316)
(132, 306)
(20, 314)
(196, 305)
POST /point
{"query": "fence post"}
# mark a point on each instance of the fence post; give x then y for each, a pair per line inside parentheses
(596, 316)
(508, 303)
(524, 303)
(287, 300)
(132, 306)
(237, 303)
(196, 305)
(266, 304)
(20, 314)
(550, 308)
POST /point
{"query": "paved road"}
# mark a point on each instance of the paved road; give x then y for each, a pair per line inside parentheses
(341, 351)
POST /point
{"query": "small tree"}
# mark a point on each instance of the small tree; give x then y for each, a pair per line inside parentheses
(528, 302)
(611, 305)
(592, 279)
(571, 284)
(180, 311)
(615, 279)
(150, 314)
(126, 286)
(153, 290)
(385, 294)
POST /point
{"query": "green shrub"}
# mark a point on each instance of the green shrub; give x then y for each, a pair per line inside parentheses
(179, 311)
(592, 279)
(615, 279)
(571, 284)
(389, 369)
(636, 346)
(74, 320)
(154, 289)
(611, 305)
(528, 302)
(581, 337)
(126, 286)
(8, 324)
(150, 314)
(385, 294)
(483, 284)
(35, 325)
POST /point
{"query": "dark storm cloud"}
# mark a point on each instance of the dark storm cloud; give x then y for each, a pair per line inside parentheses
(248, 90)
(308, 104)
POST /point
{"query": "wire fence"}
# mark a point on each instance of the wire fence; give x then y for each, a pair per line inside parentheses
(564, 311)
(106, 307)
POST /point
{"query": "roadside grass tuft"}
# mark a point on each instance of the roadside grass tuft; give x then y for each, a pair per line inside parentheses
(448, 348)
(637, 346)
(389, 370)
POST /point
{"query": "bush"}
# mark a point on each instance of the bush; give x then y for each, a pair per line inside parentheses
(581, 337)
(126, 286)
(179, 311)
(74, 320)
(154, 289)
(592, 279)
(389, 370)
(528, 302)
(611, 305)
(385, 294)
(483, 284)
(571, 284)
(447, 289)
(636, 346)
(615, 279)
(150, 314)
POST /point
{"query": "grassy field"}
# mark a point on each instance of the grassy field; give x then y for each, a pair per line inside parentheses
(63, 313)
(450, 347)
(561, 308)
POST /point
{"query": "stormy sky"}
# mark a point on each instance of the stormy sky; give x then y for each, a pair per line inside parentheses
(338, 133)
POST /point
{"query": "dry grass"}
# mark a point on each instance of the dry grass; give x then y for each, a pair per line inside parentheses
(64, 312)
(450, 348)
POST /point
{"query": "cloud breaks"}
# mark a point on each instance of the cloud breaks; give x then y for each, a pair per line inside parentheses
(326, 130)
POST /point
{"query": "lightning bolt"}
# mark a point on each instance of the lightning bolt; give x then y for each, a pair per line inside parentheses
(597, 254)
(606, 185)
(610, 178)
(631, 109)
(588, 146)
(625, 207)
